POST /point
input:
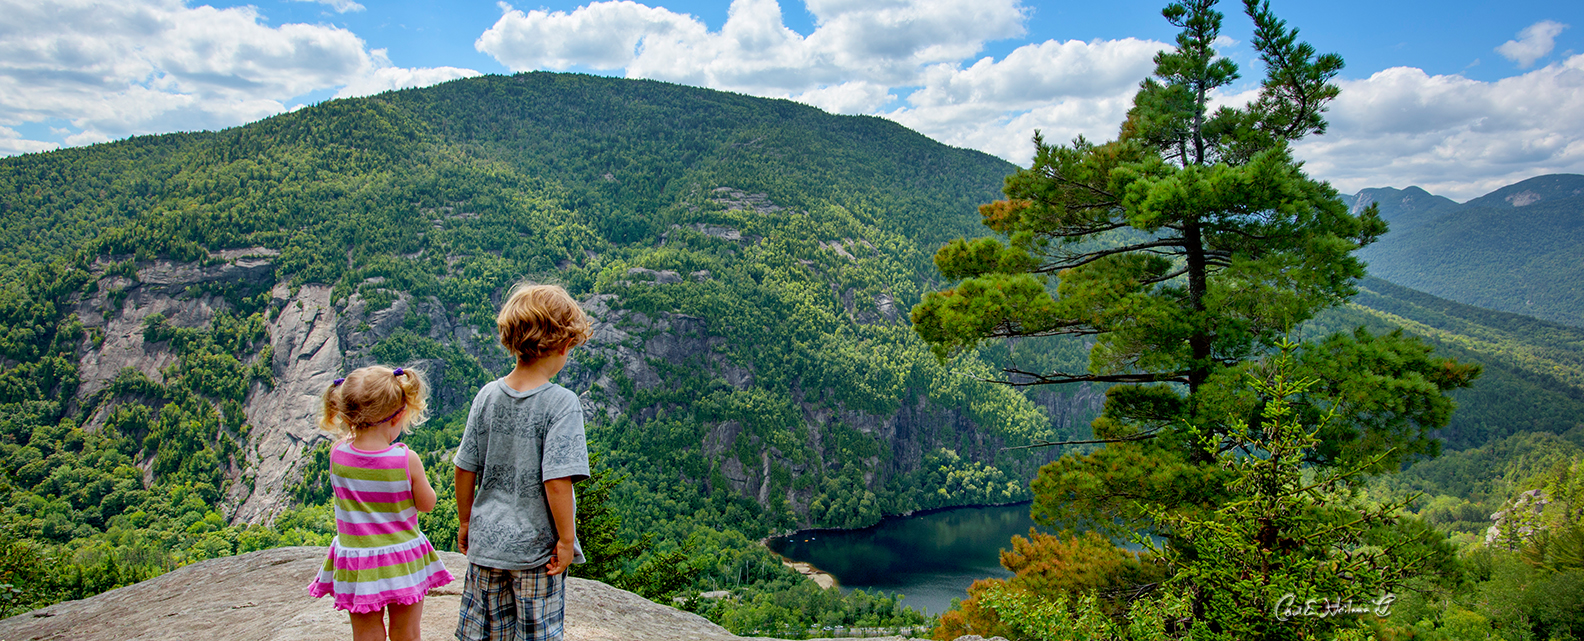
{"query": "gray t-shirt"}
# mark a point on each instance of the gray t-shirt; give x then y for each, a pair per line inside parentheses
(515, 441)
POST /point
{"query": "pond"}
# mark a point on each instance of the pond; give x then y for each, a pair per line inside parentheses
(931, 558)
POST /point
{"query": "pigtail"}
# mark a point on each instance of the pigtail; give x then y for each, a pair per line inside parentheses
(333, 416)
(416, 394)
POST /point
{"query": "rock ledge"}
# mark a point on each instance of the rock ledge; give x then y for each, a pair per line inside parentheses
(263, 595)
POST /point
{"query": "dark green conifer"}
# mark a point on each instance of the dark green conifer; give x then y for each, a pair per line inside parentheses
(1187, 250)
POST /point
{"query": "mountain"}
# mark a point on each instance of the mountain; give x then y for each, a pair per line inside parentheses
(1534, 190)
(173, 306)
(1516, 249)
(1403, 208)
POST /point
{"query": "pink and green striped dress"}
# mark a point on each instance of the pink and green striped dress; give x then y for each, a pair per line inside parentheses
(378, 556)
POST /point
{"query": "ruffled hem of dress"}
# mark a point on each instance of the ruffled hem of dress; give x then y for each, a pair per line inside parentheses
(371, 603)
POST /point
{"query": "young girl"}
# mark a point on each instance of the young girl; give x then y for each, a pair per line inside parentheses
(379, 560)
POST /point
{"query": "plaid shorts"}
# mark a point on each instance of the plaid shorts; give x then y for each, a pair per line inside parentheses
(511, 605)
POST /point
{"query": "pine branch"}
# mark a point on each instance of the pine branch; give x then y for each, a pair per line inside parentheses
(1076, 260)
(1137, 437)
(1060, 378)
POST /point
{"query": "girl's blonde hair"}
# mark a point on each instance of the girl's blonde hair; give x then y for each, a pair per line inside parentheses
(372, 395)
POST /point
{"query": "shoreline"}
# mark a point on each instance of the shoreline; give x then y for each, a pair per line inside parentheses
(827, 580)
(883, 518)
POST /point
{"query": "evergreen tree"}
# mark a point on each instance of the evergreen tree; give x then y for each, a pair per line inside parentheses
(1187, 250)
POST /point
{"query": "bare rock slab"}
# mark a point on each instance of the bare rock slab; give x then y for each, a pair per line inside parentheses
(264, 596)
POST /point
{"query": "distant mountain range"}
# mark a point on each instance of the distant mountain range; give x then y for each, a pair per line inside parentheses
(1517, 249)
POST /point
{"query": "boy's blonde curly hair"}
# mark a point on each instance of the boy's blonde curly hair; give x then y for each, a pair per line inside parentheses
(372, 395)
(536, 320)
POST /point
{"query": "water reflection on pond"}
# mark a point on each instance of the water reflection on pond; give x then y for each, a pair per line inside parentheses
(930, 558)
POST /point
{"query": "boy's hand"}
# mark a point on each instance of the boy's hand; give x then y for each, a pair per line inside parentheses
(462, 537)
(562, 558)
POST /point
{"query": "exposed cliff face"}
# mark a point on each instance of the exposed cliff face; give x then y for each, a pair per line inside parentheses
(316, 333)
(307, 358)
(307, 355)
(120, 306)
(264, 596)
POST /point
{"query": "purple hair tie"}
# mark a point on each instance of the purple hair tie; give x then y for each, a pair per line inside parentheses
(337, 382)
(397, 372)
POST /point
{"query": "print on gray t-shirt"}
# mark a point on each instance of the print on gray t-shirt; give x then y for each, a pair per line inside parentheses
(515, 441)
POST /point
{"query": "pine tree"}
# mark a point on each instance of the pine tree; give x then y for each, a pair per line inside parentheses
(1186, 251)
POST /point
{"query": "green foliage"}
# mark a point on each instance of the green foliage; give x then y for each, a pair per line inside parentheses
(1055, 577)
(791, 607)
(799, 234)
(133, 492)
(1028, 618)
(796, 236)
(1189, 249)
(1286, 529)
(1458, 491)
(1531, 369)
(1191, 244)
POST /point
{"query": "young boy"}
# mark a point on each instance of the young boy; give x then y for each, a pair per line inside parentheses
(522, 449)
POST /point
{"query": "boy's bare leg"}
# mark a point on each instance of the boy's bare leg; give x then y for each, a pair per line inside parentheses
(368, 626)
(406, 621)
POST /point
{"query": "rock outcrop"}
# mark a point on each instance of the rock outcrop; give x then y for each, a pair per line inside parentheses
(307, 357)
(263, 596)
(316, 333)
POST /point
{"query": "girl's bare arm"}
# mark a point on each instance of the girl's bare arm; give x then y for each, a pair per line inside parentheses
(423, 492)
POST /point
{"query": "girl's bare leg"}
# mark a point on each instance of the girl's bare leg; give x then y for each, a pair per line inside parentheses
(406, 621)
(368, 626)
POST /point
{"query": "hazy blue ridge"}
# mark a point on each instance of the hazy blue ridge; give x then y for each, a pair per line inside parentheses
(1403, 208)
(1527, 192)
(1516, 249)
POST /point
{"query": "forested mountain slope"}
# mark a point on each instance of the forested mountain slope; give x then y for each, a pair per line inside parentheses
(173, 305)
(1533, 378)
(1516, 249)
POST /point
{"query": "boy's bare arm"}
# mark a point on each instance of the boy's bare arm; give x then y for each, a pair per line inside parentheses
(464, 501)
(558, 492)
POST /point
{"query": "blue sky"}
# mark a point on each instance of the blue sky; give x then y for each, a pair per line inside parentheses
(1455, 37)
(1458, 97)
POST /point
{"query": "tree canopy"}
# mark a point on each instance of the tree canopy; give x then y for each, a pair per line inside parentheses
(1187, 250)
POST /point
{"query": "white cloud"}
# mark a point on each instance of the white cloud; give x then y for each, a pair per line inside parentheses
(1064, 89)
(602, 35)
(1533, 43)
(861, 56)
(12, 143)
(1037, 74)
(384, 76)
(340, 6)
(1451, 135)
(879, 42)
(151, 66)
(855, 97)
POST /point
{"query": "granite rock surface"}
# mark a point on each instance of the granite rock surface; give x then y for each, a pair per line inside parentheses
(263, 596)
